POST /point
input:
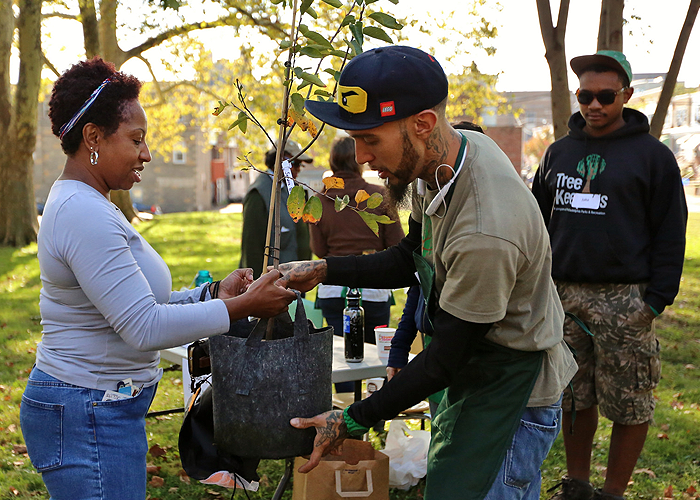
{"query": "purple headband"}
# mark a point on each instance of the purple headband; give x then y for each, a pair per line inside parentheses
(66, 127)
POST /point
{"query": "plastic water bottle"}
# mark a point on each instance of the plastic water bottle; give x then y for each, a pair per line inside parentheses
(202, 277)
(354, 327)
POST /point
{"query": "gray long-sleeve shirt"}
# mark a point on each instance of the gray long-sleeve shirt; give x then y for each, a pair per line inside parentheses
(106, 302)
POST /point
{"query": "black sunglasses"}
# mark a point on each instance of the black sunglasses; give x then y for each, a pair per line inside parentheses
(604, 97)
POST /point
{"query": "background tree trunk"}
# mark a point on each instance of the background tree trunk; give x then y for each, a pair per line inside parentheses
(657, 122)
(555, 53)
(610, 26)
(18, 224)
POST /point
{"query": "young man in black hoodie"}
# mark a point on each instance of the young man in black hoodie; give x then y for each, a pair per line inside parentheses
(613, 202)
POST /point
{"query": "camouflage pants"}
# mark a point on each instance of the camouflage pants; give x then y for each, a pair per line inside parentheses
(619, 365)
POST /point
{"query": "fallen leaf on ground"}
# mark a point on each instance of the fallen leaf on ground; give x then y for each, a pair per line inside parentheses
(662, 435)
(664, 427)
(648, 472)
(153, 469)
(156, 451)
(156, 481)
(19, 448)
(668, 492)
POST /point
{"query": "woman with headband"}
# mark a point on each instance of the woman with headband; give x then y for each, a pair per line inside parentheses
(106, 302)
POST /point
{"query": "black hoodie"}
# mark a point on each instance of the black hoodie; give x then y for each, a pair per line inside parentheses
(615, 208)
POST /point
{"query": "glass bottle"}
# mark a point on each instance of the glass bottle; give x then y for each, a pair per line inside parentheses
(354, 327)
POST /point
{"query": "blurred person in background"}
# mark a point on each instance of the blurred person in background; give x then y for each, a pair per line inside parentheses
(345, 233)
(294, 237)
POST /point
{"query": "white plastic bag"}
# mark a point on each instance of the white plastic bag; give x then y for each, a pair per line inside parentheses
(408, 454)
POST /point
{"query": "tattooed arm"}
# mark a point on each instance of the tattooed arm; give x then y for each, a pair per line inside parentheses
(302, 275)
(331, 431)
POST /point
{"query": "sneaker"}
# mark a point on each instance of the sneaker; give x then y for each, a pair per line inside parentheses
(572, 489)
(599, 495)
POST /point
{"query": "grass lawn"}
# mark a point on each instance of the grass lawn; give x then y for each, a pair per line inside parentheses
(668, 468)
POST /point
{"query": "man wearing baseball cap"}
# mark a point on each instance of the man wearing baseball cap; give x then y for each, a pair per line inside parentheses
(479, 249)
(612, 199)
(294, 237)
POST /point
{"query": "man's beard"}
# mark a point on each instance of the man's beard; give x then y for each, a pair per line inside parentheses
(398, 193)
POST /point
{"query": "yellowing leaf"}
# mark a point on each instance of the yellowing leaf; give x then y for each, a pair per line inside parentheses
(361, 196)
(333, 183)
(341, 203)
(370, 220)
(304, 123)
(295, 203)
(222, 106)
(384, 219)
(375, 200)
(313, 210)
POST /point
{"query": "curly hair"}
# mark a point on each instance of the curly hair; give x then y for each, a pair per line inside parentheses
(343, 156)
(75, 86)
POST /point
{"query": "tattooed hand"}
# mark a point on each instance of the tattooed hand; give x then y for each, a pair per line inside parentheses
(331, 431)
(302, 275)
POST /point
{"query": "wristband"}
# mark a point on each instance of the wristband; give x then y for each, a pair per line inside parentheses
(354, 429)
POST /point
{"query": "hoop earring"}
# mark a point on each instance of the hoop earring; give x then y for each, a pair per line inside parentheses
(94, 156)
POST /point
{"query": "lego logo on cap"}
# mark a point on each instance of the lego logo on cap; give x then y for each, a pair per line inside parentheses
(352, 99)
(387, 108)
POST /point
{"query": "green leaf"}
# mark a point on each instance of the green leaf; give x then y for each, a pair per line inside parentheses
(305, 5)
(334, 3)
(355, 48)
(295, 203)
(318, 38)
(385, 20)
(241, 122)
(303, 29)
(338, 53)
(375, 200)
(333, 72)
(300, 73)
(285, 44)
(312, 13)
(276, 2)
(311, 52)
(375, 32)
(356, 30)
(303, 85)
(341, 203)
(347, 20)
(312, 210)
(323, 93)
(370, 220)
(298, 102)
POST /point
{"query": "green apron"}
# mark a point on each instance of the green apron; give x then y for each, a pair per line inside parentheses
(476, 420)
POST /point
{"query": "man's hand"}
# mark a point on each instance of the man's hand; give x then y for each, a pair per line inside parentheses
(235, 283)
(302, 275)
(391, 371)
(331, 431)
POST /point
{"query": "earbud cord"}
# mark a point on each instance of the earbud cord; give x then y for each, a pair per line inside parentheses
(437, 183)
(454, 174)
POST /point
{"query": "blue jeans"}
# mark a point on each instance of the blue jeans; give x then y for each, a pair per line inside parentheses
(519, 477)
(85, 448)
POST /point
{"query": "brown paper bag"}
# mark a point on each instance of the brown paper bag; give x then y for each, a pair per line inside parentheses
(360, 472)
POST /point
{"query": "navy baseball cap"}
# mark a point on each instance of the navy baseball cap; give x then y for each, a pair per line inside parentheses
(383, 85)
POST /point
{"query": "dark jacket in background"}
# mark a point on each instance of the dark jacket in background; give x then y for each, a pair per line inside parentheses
(637, 233)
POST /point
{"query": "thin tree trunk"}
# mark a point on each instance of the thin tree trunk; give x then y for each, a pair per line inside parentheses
(88, 19)
(555, 53)
(657, 122)
(610, 27)
(19, 225)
